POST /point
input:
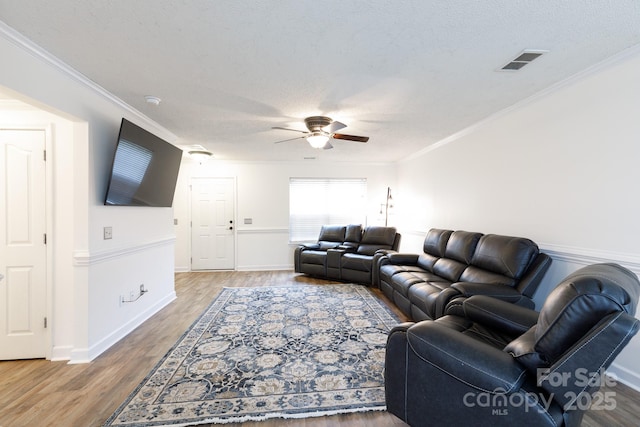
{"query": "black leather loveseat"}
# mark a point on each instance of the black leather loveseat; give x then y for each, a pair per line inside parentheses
(346, 252)
(457, 264)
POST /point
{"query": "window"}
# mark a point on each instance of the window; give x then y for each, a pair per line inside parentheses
(314, 202)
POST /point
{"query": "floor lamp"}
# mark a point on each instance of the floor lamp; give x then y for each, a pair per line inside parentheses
(384, 208)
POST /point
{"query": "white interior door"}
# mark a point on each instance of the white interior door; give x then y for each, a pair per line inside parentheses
(213, 224)
(23, 255)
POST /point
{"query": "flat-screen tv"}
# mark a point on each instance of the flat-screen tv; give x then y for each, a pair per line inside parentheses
(144, 170)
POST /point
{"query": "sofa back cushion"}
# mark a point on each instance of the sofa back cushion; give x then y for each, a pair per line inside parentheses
(505, 255)
(331, 236)
(427, 261)
(457, 255)
(461, 246)
(433, 248)
(353, 235)
(435, 242)
(375, 238)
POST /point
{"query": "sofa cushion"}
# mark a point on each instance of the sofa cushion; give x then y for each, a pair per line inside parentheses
(461, 245)
(457, 255)
(449, 269)
(357, 262)
(426, 261)
(313, 257)
(353, 233)
(403, 281)
(424, 295)
(478, 275)
(331, 236)
(375, 238)
(505, 255)
(435, 242)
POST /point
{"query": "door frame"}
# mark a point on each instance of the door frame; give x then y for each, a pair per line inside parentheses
(235, 217)
(48, 200)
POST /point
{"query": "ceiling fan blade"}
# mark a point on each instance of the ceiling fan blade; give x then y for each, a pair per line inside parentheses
(334, 126)
(290, 139)
(293, 130)
(350, 137)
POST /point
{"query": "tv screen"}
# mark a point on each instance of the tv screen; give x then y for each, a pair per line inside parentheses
(144, 171)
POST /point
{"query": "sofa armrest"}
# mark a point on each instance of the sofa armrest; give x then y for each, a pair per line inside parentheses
(402, 259)
(464, 358)
(380, 258)
(456, 293)
(499, 315)
(531, 280)
(502, 292)
(312, 246)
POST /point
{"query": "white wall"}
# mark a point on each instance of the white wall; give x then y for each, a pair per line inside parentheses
(561, 169)
(88, 274)
(263, 196)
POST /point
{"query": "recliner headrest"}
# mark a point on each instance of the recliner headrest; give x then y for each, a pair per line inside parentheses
(353, 233)
(331, 236)
(435, 242)
(580, 301)
(506, 255)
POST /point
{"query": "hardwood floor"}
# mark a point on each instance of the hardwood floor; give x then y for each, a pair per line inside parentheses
(42, 393)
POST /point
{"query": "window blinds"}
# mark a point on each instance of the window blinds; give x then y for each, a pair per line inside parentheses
(314, 202)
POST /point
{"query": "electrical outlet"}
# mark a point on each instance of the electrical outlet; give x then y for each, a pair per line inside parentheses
(108, 233)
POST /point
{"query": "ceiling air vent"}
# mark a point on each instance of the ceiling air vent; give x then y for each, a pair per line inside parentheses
(523, 59)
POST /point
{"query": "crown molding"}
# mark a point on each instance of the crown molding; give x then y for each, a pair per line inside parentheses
(25, 44)
(575, 78)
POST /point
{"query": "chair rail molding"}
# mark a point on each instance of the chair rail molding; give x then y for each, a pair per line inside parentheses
(83, 258)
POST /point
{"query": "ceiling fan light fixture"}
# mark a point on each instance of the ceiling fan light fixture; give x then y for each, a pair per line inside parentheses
(318, 139)
(200, 155)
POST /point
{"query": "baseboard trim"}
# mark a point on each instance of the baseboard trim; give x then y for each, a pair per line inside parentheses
(625, 376)
(61, 353)
(264, 267)
(86, 355)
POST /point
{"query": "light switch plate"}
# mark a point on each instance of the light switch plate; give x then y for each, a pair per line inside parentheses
(108, 233)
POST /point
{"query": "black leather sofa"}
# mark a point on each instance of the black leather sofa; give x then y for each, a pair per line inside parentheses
(498, 364)
(455, 265)
(346, 252)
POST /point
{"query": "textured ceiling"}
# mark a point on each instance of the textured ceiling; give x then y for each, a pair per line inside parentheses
(405, 73)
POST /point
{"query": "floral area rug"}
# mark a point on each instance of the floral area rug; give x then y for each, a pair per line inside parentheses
(270, 352)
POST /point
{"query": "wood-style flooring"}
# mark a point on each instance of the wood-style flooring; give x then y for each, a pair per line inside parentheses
(43, 393)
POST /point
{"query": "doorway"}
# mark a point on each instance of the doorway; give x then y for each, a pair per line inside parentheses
(213, 224)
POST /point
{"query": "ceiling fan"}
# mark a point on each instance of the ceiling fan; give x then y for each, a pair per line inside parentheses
(320, 130)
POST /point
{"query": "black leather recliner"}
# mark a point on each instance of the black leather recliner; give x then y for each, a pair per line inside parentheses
(502, 364)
